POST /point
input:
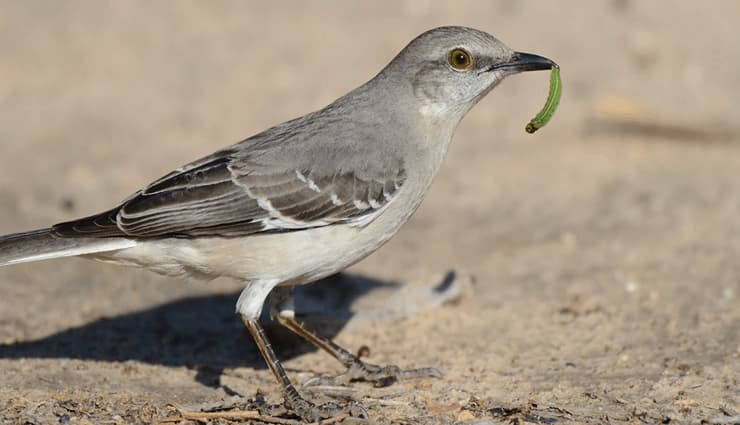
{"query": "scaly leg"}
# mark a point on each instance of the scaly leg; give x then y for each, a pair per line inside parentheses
(282, 306)
(307, 410)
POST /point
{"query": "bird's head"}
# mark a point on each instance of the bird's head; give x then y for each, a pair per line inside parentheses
(451, 68)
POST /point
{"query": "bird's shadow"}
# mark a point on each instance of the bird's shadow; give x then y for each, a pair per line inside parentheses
(202, 333)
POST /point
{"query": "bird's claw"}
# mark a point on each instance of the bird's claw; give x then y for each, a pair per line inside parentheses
(380, 376)
(311, 412)
(308, 411)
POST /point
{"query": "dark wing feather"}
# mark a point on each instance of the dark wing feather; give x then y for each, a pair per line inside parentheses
(225, 196)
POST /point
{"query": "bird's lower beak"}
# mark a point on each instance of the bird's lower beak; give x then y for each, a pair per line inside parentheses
(521, 62)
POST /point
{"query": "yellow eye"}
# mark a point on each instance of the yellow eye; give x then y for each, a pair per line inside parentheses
(460, 60)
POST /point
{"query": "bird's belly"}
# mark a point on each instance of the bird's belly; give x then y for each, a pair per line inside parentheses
(299, 257)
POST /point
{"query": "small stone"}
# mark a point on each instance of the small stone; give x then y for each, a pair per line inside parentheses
(631, 286)
(423, 385)
(465, 415)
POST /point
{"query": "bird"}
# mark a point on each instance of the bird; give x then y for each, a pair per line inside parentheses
(303, 199)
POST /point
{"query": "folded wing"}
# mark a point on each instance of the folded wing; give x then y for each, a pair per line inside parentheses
(228, 195)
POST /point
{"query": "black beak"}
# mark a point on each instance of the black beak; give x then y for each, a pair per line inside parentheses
(521, 62)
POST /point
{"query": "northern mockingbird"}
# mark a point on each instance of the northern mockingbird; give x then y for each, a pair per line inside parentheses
(301, 200)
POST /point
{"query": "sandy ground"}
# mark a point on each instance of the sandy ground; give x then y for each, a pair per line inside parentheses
(604, 249)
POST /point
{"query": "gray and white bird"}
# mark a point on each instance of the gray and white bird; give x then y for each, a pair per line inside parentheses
(301, 200)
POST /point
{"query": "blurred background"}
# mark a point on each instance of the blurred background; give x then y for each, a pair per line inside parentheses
(604, 248)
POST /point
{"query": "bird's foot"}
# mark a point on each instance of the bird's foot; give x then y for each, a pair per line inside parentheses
(380, 376)
(312, 412)
(308, 411)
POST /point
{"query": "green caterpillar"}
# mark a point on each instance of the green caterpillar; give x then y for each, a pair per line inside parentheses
(553, 98)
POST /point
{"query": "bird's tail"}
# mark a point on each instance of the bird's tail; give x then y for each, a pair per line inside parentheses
(43, 244)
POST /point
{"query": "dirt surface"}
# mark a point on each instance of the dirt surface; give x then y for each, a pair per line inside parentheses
(605, 249)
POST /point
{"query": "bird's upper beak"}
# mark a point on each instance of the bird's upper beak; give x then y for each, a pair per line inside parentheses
(521, 62)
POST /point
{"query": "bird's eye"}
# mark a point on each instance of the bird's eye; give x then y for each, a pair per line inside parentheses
(460, 60)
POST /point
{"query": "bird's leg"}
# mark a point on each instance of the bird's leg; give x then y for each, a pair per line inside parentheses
(282, 307)
(307, 410)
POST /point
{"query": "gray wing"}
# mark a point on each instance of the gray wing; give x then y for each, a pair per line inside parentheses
(232, 194)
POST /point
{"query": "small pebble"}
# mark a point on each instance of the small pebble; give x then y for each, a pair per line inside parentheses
(465, 415)
(727, 293)
(631, 286)
(363, 351)
(423, 385)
